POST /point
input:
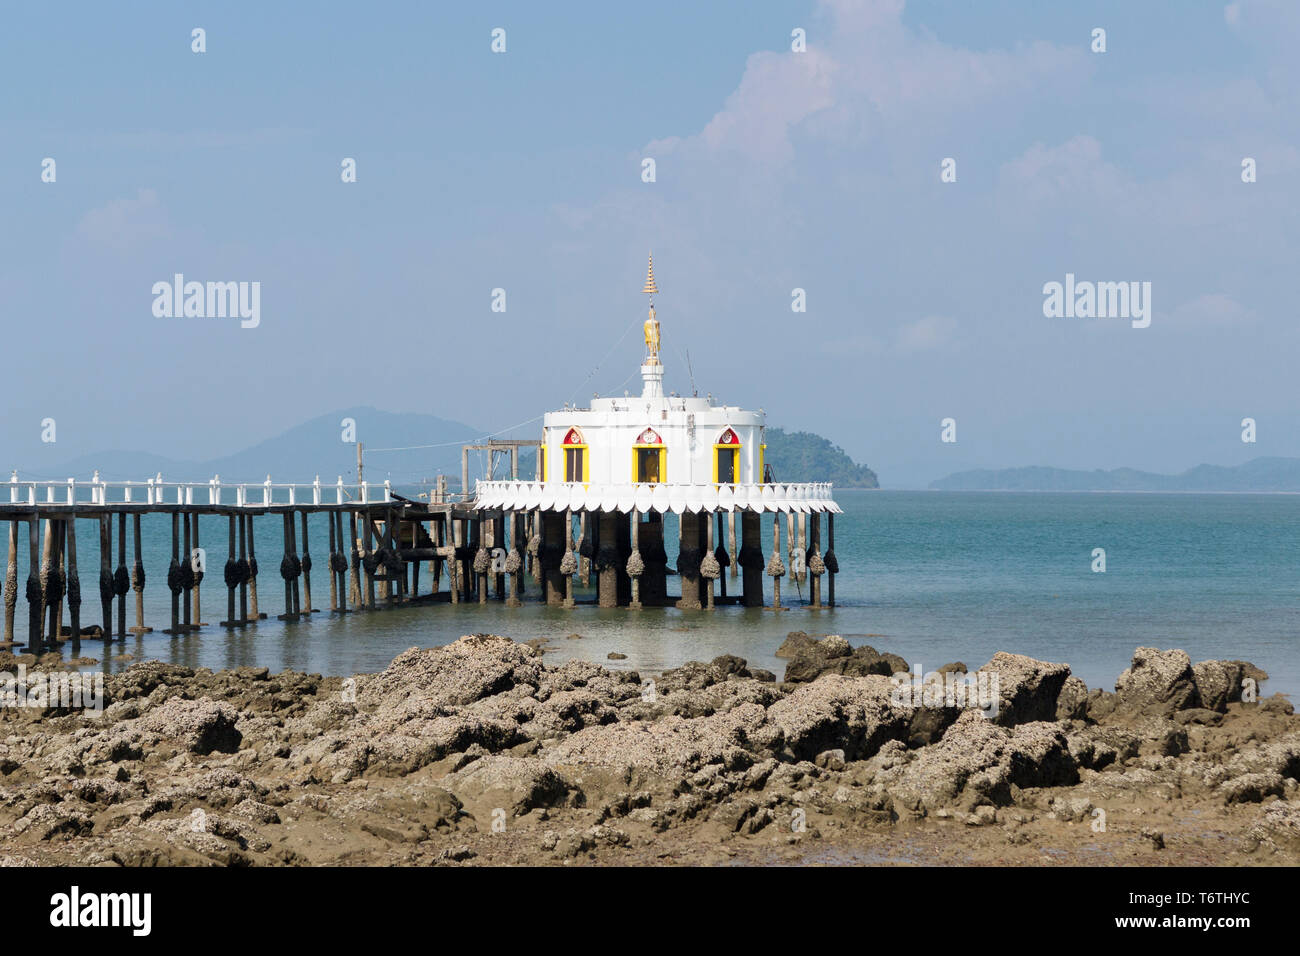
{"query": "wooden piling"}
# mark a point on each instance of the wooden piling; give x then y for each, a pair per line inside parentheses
(34, 587)
(286, 526)
(173, 578)
(606, 558)
(367, 557)
(731, 545)
(707, 520)
(73, 586)
(243, 571)
(106, 573)
(47, 556)
(255, 614)
(53, 593)
(187, 577)
(355, 563)
(198, 568)
(340, 574)
(722, 576)
(231, 575)
(688, 560)
(121, 580)
(635, 603)
(334, 578)
(499, 541)
(306, 568)
(776, 553)
(815, 547)
(138, 578)
(11, 584)
(750, 558)
(831, 565)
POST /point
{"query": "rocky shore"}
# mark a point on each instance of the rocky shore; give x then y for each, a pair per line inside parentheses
(480, 753)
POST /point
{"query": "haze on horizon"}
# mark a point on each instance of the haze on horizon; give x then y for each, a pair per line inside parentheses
(775, 170)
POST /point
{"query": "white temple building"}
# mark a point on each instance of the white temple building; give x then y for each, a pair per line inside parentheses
(626, 462)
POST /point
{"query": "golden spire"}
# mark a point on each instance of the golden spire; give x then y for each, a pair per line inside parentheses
(650, 287)
(651, 324)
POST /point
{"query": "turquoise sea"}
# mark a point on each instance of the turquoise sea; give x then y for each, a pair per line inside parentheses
(933, 576)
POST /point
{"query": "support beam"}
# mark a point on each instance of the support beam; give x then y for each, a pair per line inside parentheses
(173, 579)
(138, 578)
(198, 567)
(73, 586)
(34, 588)
(750, 558)
(231, 574)
(636, 562)
(306, 567)
(11, 584)
(550, 556)
(688, 560)
(607, 556)
(254, 612)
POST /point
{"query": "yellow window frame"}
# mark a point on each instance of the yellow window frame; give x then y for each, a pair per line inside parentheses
(762, 465)
(541, 461)
(735, 463)
(586, 463)
(663, 463)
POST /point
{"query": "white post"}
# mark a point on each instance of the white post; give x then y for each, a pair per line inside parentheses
(339, 495)
(72, 491)
(388, 488)
(315, 491)
(13, 487)
(292, 489)
(365, 492)
(266, 492)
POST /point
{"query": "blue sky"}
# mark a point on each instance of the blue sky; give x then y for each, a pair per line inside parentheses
(775, 170)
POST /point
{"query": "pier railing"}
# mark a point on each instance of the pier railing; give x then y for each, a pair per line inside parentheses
(155, 491)
(662, 497)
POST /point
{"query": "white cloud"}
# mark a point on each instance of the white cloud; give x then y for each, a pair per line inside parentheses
(124, 224)
(1213, 308)
(931, 332)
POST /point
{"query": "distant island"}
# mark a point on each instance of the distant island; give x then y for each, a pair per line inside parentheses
(803, 456)
(408, 448)
(1257, 475)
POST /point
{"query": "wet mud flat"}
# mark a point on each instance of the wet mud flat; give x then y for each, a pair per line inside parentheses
(480, 753)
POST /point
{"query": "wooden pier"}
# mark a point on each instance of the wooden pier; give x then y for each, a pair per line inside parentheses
(377, 543)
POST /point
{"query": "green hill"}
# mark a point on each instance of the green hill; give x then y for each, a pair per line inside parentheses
(1257, 475)
(803, 456)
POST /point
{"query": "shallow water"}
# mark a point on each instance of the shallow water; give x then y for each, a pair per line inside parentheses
(932, 576)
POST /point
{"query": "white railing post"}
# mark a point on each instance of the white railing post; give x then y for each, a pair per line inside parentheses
(315, 491)
(292, 489)
(72, 491)
(13, 487)
(266, 492)
(339, 494)
(365, 492)
(388, 490)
